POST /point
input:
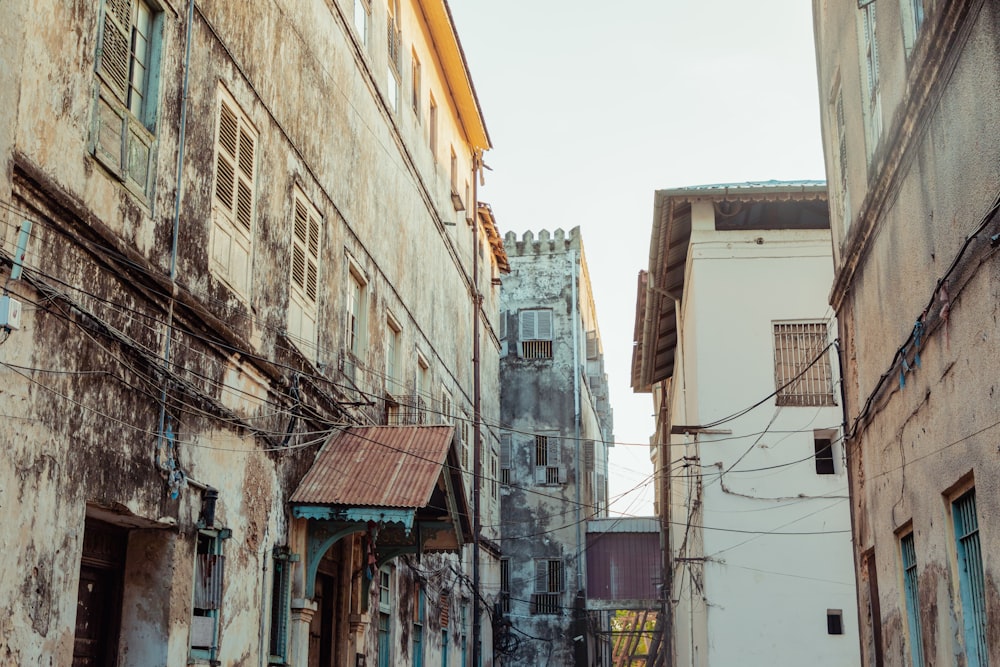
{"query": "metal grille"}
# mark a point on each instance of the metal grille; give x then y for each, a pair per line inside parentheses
(536, 349)
(911, 591)
(970, 562)
(545, 603)
(801, 369)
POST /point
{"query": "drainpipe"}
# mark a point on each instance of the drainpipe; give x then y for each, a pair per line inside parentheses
(574, 275)
(176, 478)
(477, 466)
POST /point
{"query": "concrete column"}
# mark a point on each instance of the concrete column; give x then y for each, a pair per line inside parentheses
(302, 615)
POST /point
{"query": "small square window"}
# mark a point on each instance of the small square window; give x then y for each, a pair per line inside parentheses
(834, 622)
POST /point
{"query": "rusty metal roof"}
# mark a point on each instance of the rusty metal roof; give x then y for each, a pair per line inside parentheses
(377, 466)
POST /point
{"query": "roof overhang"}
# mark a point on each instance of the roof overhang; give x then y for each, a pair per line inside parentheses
(661, 287)
(493, 237)
(456, 72)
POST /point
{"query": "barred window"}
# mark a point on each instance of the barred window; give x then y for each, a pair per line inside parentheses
(802, 371)
(549, 582)
(536, 333)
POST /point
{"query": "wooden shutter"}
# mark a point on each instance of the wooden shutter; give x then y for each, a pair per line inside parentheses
(502, 325)
(529, 325)
(505, 450)
(541, 576)
(540, 474)
(544, 320)
(115, 53)
(234, 181)
(588, 455)
(208, 570)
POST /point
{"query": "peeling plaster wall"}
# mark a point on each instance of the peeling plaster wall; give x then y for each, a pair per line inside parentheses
(544, 521)
(915, 202)
(81, 387)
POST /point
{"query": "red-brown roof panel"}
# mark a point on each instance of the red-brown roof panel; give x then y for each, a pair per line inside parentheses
(377, 466)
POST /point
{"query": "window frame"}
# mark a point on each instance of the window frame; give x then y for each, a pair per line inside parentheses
(213, 543)
(970, 576)
(365, 16)
(800, 379)
(536, 332)
(123, 137)
(549, 585)
(872, 76)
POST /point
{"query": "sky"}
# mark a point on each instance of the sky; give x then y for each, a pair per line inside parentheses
(593, 106)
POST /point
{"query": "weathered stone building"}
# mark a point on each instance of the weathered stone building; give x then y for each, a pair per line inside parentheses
(554, 447)
(910, 107)
(734, 340)
(242, 247)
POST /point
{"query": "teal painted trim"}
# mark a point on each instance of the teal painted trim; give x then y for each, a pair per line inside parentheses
(404, 517)
(323, 535)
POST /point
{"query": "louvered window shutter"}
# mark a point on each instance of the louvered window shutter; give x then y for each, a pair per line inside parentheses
(544, 324)
(113, 60)
(234, 206)
(502, 325)
(529, 325)
(300, 242)
(541, 576)
(540, 474)
(505, 450)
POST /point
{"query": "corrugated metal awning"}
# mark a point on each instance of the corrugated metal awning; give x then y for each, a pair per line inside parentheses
(377, 466)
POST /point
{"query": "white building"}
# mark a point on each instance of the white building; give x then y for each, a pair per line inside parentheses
(734, 340)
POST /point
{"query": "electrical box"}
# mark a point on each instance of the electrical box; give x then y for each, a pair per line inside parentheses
(10, 313)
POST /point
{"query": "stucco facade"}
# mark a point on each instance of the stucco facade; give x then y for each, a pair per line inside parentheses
(734, 341)
(244, 228)
(913, 161)
(558, 427)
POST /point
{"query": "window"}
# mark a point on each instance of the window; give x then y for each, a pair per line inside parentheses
(466, 440)
(444, 602)
(281, 589)
(505, 458)
(304, 290)
(456, 196)
(384, 611)
(547, 468)
(419, 612)
(362, 13)
(432, 126)
(419, 386)
(415, 84)
(209, 567)
(394, 40)
(801, 366)
(823, 447)
(393, 362)
(873, 106)
(357, 305)
(844, 193)
(445, 416)
(834, 622)
(233, 204)
(536, 333)
(970, 578)
(912, 18)
(128, 67)
(912, 592)
(464, 636)
(494, 470)
(505, 585)
(548, 587)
